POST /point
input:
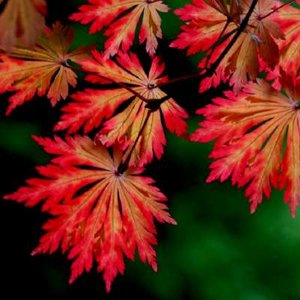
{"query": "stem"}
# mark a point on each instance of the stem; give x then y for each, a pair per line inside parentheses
(222, 39)
(182, 78)
(124, 165)
(276, 9)
(153, 1)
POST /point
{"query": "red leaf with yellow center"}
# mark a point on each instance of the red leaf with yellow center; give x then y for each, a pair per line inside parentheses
(209, 22)
(257, 137)
(289, 18)
(132, 127)
(98, 213)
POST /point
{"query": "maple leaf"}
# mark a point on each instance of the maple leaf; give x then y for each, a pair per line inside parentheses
(257, 139)
(288, 17)
(92, 106)
(209, 26)
(204, 22)
(43, 69)
(122, 18)
(98, 213)
(23, 20)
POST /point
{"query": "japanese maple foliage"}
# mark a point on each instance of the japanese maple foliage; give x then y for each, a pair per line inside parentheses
(251, 131)
(210, 25)
(102, 209)
(113, 218)
(122, 27)
(290, 45)
(131, 127)
(43, 69)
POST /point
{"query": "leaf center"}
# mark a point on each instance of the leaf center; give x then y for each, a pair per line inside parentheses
(296, 105)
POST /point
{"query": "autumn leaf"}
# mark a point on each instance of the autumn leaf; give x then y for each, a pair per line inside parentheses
(257, 139)
(257, 47)
(211, 24)
(42, 70)
(136, 93)
(121, 18)
(204, 23)
(23, 20)
(98, 214)
(288, 17)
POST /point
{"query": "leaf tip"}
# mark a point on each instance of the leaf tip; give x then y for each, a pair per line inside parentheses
(253, 208)
(154, 266)
(173, 221)
(35, 252)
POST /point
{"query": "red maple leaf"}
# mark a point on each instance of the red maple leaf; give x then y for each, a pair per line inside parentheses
(288, 17)
(99, 214)
(204, 22)
(211, 22)
(251, 131)
(43, 69)
(91, 106)
(122, 18)
(21, 20)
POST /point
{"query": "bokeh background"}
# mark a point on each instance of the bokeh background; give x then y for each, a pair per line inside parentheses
(218, 250)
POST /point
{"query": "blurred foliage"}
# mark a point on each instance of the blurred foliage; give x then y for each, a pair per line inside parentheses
(15, 138)
(218, 250)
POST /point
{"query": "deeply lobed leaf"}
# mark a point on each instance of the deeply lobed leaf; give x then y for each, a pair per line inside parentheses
(42, 70)
(211, 24)
(121, 17)
(135, 89)
(98, 214)
(257, 139)
(289, 18)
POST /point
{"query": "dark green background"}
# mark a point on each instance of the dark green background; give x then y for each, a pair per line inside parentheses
(217, 250)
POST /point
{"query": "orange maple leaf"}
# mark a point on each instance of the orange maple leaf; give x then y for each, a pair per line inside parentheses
(23, 20)
(258, 42)
(204, 23)
(92, 106)
(251, 131)
(43, 69)
(210, 22)
(98, 213)
(289, 19)
(122, 18)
